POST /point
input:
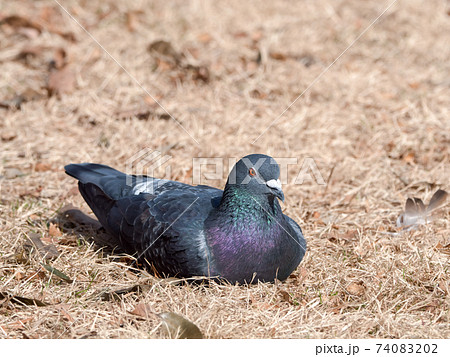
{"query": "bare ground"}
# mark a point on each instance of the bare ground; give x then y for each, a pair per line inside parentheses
(376, 124)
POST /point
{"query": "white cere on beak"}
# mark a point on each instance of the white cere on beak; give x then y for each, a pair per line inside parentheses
(274, 184)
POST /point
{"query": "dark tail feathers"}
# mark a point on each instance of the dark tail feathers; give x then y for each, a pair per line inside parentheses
(92, 173)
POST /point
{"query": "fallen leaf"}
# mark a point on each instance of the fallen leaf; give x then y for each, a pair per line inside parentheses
(39, 275)
(42, 166)
(286, 297)
(153, 101)
(198, 72)
(445, 249)
(143, 310)
(21, 300)
(179, 327)
(58, 273)
(240, 34)
(161, 48)
(132, 20)
(257, 36)
(46, 251)
(164, 66)
(278, 56)
(443, 285)
(409, 157)
(204, 38)
(59, 58)
(61, 81)
(54, 231)
(350, 234)
(8, 136)
(356, 289)
(17, 22)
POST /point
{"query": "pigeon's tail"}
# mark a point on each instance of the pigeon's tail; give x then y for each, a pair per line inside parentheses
(92, 173)
(101, 186)
(112, 183)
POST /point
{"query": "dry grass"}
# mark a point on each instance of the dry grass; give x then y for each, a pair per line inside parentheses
(378, 120)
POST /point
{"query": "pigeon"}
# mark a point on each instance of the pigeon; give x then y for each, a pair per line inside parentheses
(239, 235)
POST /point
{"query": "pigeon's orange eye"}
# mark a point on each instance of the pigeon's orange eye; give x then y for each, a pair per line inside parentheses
(252, 172)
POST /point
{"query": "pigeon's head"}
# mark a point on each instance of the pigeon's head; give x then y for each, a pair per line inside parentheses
(259, 174)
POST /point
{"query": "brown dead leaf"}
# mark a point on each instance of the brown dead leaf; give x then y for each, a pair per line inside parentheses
(409, 157)
(164, 66)
(132, 20)
(204, 38)
(198, 73)
(303, 273)
(54, 231)
(39, 275)
(350, 234)
(8, 136)
(152, 101)
(188, 175)
(240, 34)
(256, 93)
(286, 297)
(34, 217)
(164, 50)
(46, 251)
(17, 22)
(356, 289)
(445, 249)
(42, 166)
(61, 81)
(443, 285)
(278, 56)
(61, 78)
(143, 310)
(59, 58)
(316, 215)
(257, 36)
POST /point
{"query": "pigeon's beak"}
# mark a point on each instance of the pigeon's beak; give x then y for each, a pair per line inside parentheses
(275, 186)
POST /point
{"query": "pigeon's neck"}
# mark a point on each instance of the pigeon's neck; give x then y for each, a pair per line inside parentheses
(239, 206)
